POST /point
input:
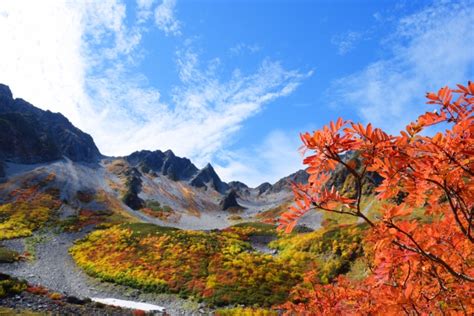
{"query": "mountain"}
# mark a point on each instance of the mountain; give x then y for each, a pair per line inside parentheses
(154, 186)
(177, 169)
(31, 135)
(151, 186)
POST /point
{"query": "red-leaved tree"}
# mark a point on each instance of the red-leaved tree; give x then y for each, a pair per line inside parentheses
(418, 266)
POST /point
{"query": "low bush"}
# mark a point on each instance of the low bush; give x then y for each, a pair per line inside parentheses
(28, 208)
(10, 286)
(331, 251)
(8, 255)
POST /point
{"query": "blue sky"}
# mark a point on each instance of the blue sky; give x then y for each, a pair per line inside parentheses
(232, 82)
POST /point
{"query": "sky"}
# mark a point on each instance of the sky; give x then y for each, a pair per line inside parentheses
(232, 82)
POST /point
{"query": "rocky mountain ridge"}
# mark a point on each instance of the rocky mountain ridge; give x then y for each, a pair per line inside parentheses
(31, 135)
(153, 186)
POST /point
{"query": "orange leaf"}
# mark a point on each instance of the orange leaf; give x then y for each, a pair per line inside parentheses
(289, 228)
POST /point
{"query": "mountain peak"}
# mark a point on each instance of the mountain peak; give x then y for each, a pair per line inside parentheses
(207, 176)
(264, 187)
(169, 153)
(5, 91)
(209, 167)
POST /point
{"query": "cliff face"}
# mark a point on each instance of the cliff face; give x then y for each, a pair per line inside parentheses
(31, 135)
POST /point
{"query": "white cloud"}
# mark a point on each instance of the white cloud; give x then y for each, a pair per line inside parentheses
(429, 49)
(165, 18)
(207, 110)
(346, 42)
(241, 48)
(77, 58)
(145, 4)
(40, 56)
(275, 157)
(144, 10)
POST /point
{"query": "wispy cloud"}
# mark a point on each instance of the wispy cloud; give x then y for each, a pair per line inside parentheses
(429, 49)
(165, 18)
(347, 41)
(205, 113)
(241, 48)
(83, 66)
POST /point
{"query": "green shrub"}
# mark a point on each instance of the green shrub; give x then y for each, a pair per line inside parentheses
(8, 255)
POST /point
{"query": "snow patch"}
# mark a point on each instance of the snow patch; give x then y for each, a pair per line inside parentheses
(129, 304)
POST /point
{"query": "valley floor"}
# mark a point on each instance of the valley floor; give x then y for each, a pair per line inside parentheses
(54, 268)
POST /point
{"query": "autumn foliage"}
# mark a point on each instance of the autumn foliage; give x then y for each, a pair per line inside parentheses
(421, 242)
(219, 268)
(28, 207)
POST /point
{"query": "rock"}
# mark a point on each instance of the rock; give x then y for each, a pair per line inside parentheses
(230, 201)
(75, 300)
(133, 184)
(238, 186)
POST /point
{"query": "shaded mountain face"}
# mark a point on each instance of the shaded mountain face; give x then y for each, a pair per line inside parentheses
(207, 177)
(165, 163)
(264, 187)
(229, 202)
(242, 188)
(237, 185)
(31, 135)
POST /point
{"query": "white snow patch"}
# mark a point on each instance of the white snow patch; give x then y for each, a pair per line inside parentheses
(129, 304)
